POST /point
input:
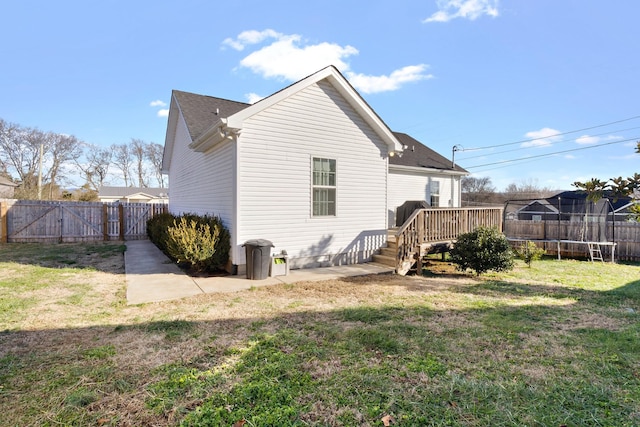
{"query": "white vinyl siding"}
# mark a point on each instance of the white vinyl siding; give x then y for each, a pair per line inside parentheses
(201, 183)
(408, 185)
(275, 177)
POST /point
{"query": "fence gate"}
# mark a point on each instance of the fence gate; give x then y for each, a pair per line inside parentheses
(55, 221)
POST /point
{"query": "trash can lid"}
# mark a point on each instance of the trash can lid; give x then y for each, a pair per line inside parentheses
(263, 243)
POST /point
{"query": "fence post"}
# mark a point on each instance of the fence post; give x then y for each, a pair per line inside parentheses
(105, 222)
(3, 222)
(121, 220)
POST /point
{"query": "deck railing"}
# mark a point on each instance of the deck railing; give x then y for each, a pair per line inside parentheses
(439, 225)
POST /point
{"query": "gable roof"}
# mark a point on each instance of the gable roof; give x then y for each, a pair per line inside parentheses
(6, 182)
(569, 197)
(418, 155)
(201, 111)
(342, 85)
(108, 191)
(210, 119)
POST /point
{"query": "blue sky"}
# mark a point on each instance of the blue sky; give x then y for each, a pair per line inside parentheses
(508, 74)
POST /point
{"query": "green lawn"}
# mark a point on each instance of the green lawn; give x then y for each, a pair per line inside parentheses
(551, 345)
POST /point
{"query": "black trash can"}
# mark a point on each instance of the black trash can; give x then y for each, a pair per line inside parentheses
(258, 252)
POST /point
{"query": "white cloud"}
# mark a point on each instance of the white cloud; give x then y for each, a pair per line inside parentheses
(541, 138)
(466, 9)
(288, 57)
(373, 84)
(586, 139)
(157, 103)
(251, 37)
(569, 156)
(252, 98)
(163, 113)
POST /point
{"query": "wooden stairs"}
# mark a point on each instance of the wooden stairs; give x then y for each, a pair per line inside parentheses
(389, 253)
(429, 231)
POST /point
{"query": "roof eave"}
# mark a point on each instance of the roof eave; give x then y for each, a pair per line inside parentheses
(211, 137)
(338, 81)
(402, 168)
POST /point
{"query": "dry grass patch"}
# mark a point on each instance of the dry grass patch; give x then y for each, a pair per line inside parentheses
(523, 348)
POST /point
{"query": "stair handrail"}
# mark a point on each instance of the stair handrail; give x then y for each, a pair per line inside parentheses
(407, 239)
(413, 232)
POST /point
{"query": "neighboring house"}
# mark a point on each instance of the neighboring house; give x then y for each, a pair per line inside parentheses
(7, 188)
(133, 195)
(573, 206)
(312, 168)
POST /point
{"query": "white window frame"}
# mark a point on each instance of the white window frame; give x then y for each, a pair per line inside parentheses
(434, 190)
(327, 186)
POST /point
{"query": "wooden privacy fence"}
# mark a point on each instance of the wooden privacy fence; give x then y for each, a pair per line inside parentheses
(626, 235)
(24, 221)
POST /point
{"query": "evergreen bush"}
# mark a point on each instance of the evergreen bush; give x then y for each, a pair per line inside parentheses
(158, 229)
(201, 243)
(192, 243)
(482, 250)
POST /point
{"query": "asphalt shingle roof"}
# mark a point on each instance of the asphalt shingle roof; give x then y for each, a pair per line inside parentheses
(419, 155)
(201, 111)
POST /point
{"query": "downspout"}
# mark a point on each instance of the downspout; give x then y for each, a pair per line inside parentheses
(452, 203)
(235, 255)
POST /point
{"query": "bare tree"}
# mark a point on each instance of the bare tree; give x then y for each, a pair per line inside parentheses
(138, 149)
(95, 166)
(527, 189)
(122, 161)
(62, 150)
(477, 190)
(154, 155)
(20, 154)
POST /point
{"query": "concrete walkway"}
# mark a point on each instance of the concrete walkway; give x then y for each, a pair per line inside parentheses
(152, 277)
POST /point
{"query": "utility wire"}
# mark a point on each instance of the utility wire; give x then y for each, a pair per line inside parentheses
(549, 136)
(540, 146)
(552, 154)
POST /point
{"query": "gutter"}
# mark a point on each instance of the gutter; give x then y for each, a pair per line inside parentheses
(424, 169)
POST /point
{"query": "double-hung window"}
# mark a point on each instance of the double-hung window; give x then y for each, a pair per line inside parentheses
(435, 194)
(324, 187)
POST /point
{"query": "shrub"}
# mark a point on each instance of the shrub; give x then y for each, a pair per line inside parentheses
(200, 242)
(223, 243)
(529, 252)
(482, 250)
(158, 229)
(192, 243)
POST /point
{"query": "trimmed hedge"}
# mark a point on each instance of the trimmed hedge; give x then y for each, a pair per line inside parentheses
(200, 243)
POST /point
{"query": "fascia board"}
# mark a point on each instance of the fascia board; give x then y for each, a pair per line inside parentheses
(212, 136)
(169, 139)
(425, 171)
(344, 88)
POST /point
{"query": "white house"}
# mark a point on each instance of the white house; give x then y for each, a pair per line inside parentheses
(312, 168)
(108, 194)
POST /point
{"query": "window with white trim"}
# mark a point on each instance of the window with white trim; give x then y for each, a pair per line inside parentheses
(434, 188)
(324, 187)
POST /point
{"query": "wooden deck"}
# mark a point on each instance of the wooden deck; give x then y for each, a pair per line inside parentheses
(429, 230)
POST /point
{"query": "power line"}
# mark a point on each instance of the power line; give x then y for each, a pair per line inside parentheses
(550, 136)
(552, 154)
(555, 143)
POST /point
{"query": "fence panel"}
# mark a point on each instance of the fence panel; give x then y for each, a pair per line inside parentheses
(61, 221)
(626, 235)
